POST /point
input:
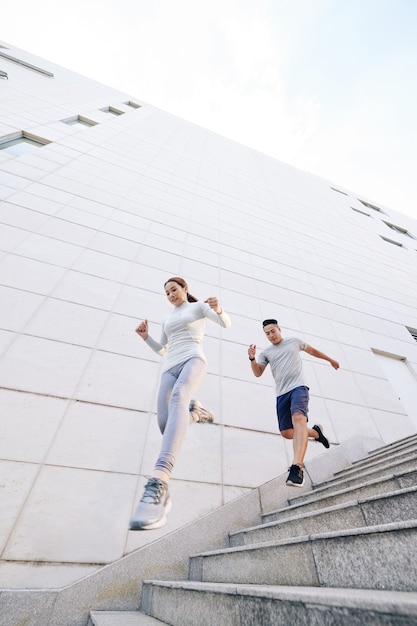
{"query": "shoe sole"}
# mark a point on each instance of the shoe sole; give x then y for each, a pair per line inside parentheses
(158, 524)
(207, 420)
(291, 484)
(322, 442)
(203, 414)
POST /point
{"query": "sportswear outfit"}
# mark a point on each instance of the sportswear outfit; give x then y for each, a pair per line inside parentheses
(290, 385)
(291, 390)
(183, 371)
(184, 368)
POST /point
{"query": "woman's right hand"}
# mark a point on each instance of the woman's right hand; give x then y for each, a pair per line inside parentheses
(142, 330)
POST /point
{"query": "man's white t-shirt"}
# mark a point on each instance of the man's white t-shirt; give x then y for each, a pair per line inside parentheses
(286, 364)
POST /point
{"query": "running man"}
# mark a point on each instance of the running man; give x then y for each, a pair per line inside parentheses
(291, 390)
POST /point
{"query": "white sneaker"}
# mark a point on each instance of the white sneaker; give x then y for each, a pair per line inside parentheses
(152, 510)
(199, 413)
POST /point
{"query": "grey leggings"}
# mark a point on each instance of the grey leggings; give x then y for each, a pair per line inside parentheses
(177, 387)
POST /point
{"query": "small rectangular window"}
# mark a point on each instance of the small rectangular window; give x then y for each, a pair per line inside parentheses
(396, 243)
(22, 143)
(413, 332)
(371, 206)
(339, 191)
(112, 111)
(79, 120)
(134, 105)
(399, 229)
(359, 211)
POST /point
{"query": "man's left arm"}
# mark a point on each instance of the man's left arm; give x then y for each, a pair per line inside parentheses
(321, 355)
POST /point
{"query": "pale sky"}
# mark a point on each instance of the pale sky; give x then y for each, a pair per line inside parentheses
(329, 86)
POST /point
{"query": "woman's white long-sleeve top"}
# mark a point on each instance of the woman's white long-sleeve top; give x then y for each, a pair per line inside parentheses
(183, 332)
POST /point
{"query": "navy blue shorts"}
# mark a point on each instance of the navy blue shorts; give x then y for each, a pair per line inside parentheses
(294, 401)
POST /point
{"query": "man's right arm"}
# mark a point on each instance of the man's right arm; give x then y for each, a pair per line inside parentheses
(257, 368)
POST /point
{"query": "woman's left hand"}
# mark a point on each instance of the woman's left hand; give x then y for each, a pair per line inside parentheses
(214, 304)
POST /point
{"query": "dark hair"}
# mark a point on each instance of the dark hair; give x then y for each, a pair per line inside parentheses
(267, 322)
(181, 282)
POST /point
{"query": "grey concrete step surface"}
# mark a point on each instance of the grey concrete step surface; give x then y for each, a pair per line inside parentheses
(225, 604)
(361, 570)
(391, 507)
(379, 557)
(314, 500)
(367, 473)
(399, 458)
(122, 618)
(118, 586)
(388, 449)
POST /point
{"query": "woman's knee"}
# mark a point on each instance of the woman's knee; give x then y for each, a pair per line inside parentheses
(180, 394)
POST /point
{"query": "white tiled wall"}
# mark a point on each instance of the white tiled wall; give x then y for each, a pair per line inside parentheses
(91, 226)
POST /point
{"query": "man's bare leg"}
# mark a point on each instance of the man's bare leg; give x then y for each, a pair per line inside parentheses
(300, 438)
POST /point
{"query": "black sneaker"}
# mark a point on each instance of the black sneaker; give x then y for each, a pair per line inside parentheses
(295, 477)
(321, 438)
(199, 413)
(152, 510)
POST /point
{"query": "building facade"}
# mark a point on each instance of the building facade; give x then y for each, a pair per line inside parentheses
(104, 197)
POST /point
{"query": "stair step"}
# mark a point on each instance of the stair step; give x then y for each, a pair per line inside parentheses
(392, 507)
(388, 451)
(122, 618)
(213, 604)
(389, 448)
(400, 459)
(314, 500)
(368, 473)
(379, 557)
(385, 457)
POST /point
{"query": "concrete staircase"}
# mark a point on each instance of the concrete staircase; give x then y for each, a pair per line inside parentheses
(341, 551)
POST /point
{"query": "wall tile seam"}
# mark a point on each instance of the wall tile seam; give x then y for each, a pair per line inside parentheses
(117, 237)
(125, 238)
(319, 235)
(343, 306)
(68, 205)
(74, 396)
(208, 483)
(74, 302)
(73, 400)
(194, 192)
(114, 472)
(92, 349)
(69, 266)
(133, 286)
(14, 253)
(87, 306)
(270, 384)
(371, 260)
(375, 288)
(67, 466)
(25, 171)
(245, 429)
(154, 248)
(97, 230)
(33, 233)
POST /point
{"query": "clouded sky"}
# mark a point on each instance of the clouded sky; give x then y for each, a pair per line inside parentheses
(329, 86)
